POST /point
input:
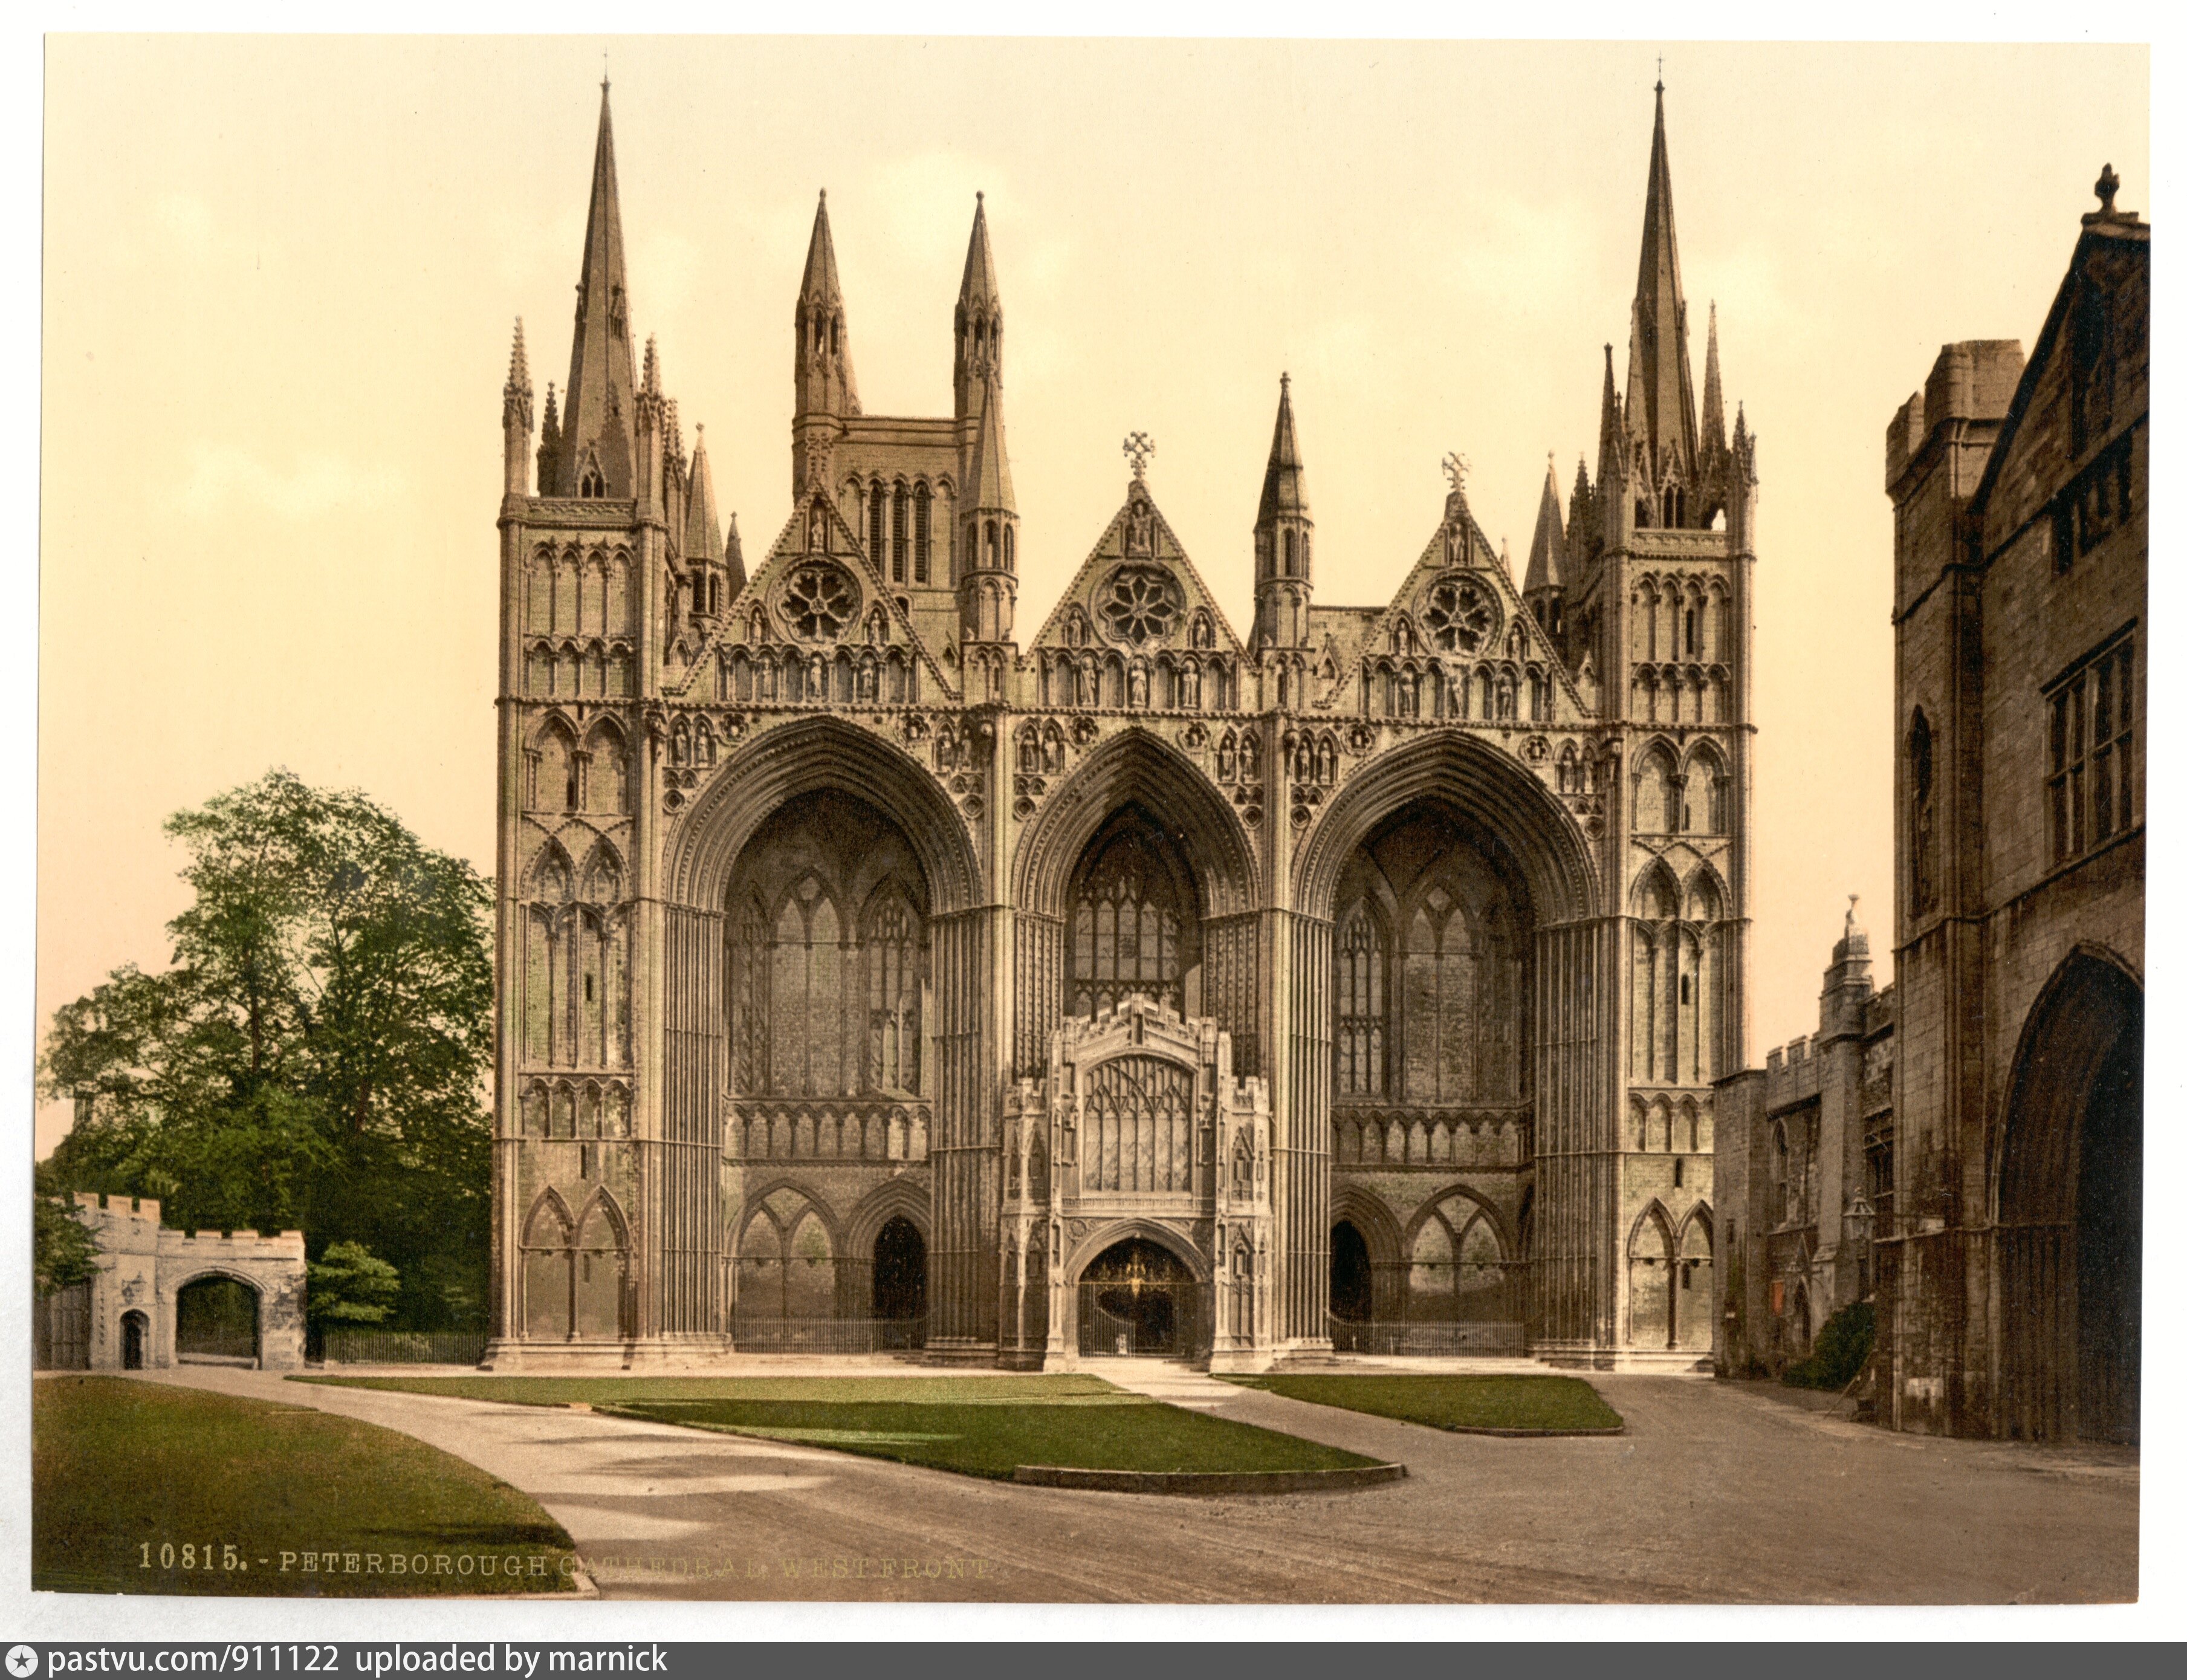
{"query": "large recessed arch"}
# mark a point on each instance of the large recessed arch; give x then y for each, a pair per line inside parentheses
(1137, 767)
(1494, 792)
(811, 756)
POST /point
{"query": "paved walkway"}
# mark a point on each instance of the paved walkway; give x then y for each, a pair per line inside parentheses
(1717, 1492)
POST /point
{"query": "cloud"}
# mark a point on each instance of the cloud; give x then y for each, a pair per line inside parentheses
(223, 476)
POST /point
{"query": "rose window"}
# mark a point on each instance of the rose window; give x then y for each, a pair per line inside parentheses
(1140, 605)
(1459, 617)
(818, 603)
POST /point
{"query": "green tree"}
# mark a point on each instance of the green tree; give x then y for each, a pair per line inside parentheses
(315, 1058)
(348, 1285)
(63, 1250)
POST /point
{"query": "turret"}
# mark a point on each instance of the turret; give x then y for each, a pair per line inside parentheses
(596, 455)
(979, 355)
(827, 389)
(516, 421)
(550, 447)
(1283, 539)
(732, 566)
(1545, 562)
(987, 583)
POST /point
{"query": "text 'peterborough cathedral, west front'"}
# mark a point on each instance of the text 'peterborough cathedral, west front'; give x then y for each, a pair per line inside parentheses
(876, 971)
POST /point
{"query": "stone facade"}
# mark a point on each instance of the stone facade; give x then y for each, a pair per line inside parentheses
(128, 1317)
(2009, 1276)
(1804, 1172)
(867, 975)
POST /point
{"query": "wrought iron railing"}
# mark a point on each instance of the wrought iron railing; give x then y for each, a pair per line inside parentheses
(827, 1335)
(360, 1345)
(1399, 1340)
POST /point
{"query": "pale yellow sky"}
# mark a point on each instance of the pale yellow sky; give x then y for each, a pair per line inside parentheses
(280, 275)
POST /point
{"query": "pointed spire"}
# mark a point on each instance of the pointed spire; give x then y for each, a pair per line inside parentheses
(597, 398)
(820, 285)
(702, 528)
(733, 559)
(979, 285)
(1545, 564)
(1660, 401)
(1282, 489)
(1713, 395)
(990, 477)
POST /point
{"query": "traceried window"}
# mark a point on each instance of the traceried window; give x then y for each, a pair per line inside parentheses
(877, 523)
(1363, 1018)
(900, 550)
(922, 516)
(1139, 605)
(1459, 616)
(827, 956)
(818, 603)
(1133, 923)
(2092, 752)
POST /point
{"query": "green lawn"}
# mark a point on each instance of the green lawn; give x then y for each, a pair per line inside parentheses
(140, 1487)
(983, 1426)
(1454, 1402)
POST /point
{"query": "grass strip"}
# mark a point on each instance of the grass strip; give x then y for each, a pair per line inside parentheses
(139, 1486)
(974, 1426)
(1529, 1404)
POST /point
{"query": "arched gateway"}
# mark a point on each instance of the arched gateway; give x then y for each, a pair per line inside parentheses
(870, 959)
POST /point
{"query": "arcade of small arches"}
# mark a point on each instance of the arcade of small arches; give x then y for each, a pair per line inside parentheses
(579, 623)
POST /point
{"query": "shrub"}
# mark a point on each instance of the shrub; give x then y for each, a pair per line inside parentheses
(1842, 1348)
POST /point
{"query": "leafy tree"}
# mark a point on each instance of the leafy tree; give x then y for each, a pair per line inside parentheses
(315, 1058)
(348, 1285)
(1842, 1348)
(64, 1251)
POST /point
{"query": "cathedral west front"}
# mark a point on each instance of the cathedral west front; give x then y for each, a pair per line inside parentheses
(879, 970)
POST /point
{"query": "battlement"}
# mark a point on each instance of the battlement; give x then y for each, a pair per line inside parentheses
(128, 1222)
(145, 1210)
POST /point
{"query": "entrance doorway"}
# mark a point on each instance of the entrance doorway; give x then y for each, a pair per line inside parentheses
(2069, 1214)
(1138, 1298)
(216, 1323)
(1350, 1275)
(134, 1329)
(900, 1285)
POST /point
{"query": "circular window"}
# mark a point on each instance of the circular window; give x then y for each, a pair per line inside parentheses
(818, 603)
(1460, 616)
(1140, 604)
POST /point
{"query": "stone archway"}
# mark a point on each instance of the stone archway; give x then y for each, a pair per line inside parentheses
(217, 1321)
(1350, 1275)
(2068, 1233)
(136, 1338)
(899, 1282)
(1138, 1297)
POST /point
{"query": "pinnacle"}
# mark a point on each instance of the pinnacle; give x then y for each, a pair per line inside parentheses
(990, 459)
(596, 394)
(1661, 393)
(1545, 562)
(520, 372)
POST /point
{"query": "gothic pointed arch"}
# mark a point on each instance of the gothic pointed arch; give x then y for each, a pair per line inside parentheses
(1138, 767)
(1464, 774)
(903, 1198)
(1655, 894)
(813, 754)
(561, 1226)
(1100, 1241)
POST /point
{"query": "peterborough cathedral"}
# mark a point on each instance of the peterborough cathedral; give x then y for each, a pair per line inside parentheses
(876, 973)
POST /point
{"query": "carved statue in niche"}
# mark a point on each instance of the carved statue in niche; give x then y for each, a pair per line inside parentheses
(1226, 759)
(1188, 680)
(1139, 688)
(1249, 757)
(1051, 743)
(1140, 528)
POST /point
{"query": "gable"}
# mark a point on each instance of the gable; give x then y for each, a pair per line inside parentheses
(815, 596)
(1138, 593)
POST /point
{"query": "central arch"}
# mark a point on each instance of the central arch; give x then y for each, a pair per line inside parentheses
(217, 1321)
(1139, 1296)
(1185, 826)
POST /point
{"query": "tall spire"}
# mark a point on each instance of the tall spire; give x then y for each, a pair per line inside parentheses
(1283, 538)
(1282, 489)
(596, 402)
(1545, 564)
(979, 318)
(827, 389)
(1713, 442)
(1661, 398)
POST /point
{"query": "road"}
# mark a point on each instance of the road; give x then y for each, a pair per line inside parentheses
(1717, 1492)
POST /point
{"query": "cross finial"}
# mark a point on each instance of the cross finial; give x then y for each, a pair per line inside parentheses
(1659, 73)
(604, 70)
(1138, 450)
(2107, 186)
(1455, 467)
